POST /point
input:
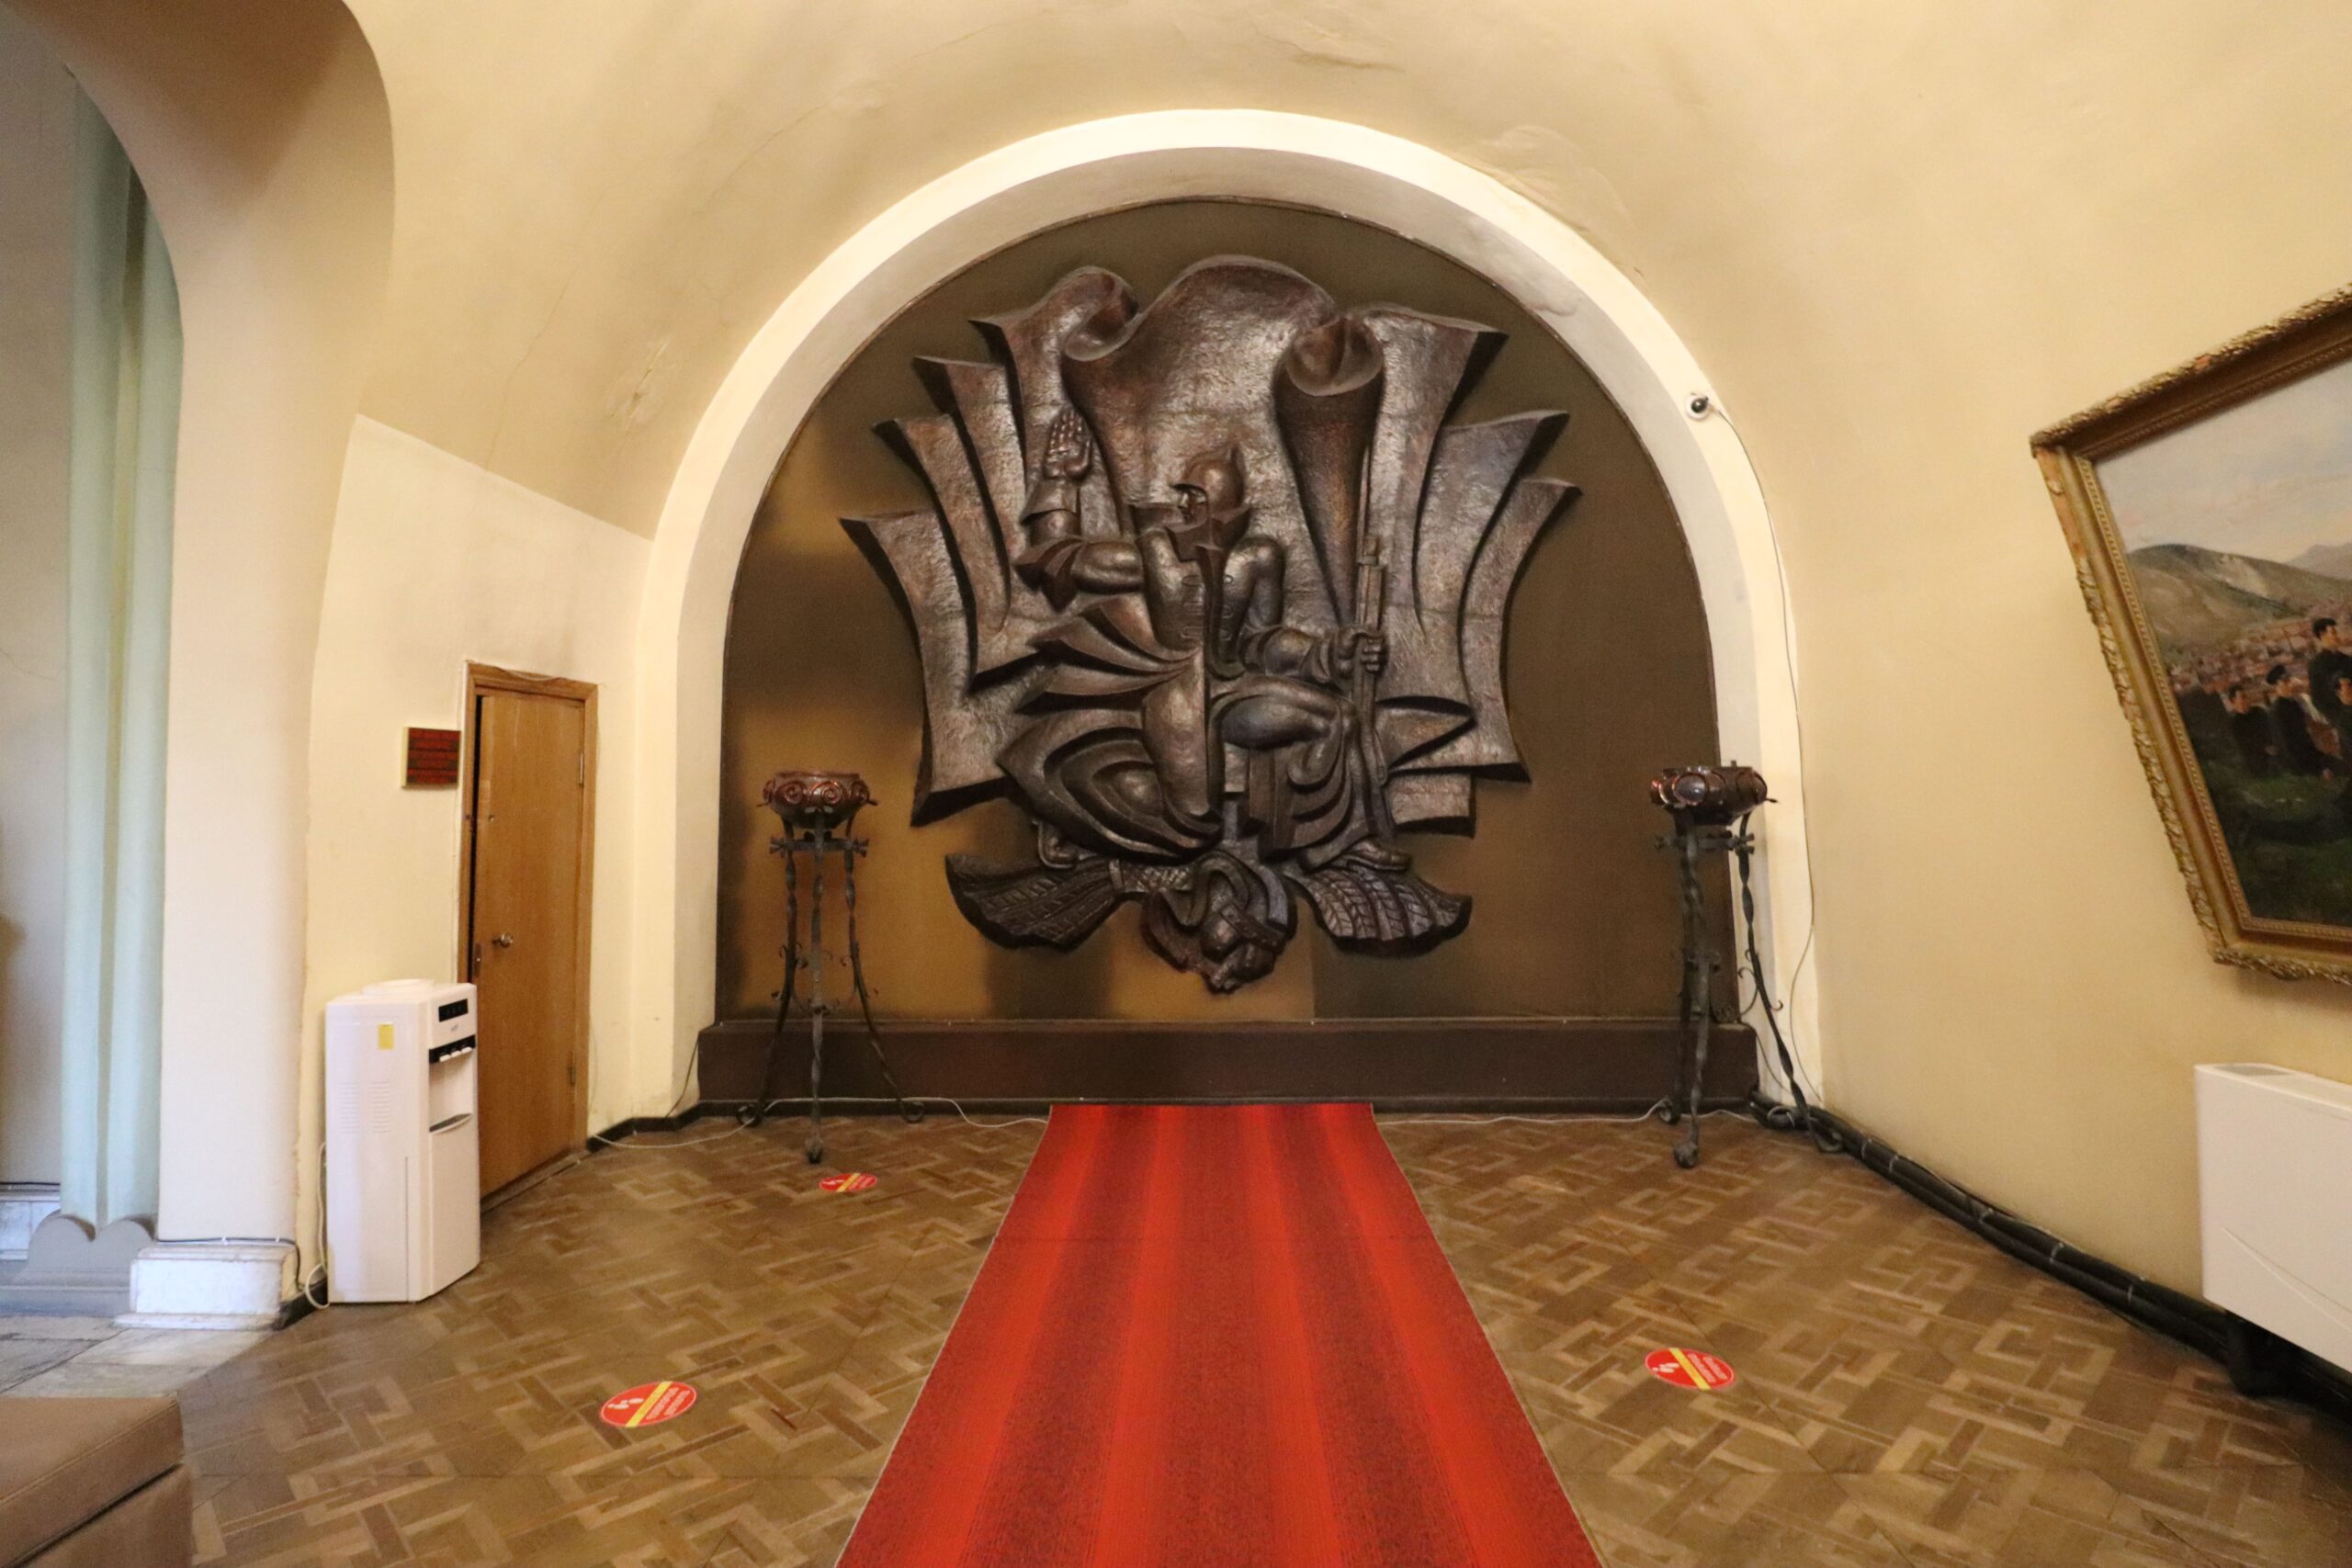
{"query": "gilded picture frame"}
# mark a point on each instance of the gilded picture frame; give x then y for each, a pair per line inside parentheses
(2210, 514)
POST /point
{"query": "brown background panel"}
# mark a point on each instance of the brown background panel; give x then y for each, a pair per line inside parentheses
(1607, 671)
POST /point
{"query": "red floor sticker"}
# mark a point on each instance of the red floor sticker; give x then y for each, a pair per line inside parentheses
(648, 1404)
(849, 1181)
(1691, 1368)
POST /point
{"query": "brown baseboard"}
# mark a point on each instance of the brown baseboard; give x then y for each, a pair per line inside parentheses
(1577, 1064)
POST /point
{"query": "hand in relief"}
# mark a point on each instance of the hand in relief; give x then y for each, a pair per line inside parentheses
(1069, 450)
(1362, 648)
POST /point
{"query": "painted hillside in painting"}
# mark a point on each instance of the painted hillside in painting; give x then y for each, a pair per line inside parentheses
(2200, 601)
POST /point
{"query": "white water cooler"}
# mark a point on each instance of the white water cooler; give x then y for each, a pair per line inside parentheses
(403, 1145)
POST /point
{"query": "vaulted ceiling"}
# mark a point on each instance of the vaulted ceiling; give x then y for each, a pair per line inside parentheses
(597, 205)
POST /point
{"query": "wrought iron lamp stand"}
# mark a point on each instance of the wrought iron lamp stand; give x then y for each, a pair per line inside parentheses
(816, 810)
(1710, 807)
(1696, 1015)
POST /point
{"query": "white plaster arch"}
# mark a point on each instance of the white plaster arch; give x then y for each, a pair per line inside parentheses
(262, 135)
(1070, 172)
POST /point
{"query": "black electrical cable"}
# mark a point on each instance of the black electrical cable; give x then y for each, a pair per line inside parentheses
(1803, 1114)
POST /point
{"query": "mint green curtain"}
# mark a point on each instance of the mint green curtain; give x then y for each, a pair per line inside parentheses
(125, 429)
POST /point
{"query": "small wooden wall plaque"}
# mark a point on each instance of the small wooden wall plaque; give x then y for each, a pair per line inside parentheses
(432, 758)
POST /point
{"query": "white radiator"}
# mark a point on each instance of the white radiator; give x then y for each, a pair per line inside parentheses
(2274, 1159)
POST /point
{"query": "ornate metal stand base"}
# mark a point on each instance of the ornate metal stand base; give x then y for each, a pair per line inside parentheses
(1696, 1012)
(816, 810)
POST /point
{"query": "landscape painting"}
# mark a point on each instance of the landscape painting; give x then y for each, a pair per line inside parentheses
(2211, 511)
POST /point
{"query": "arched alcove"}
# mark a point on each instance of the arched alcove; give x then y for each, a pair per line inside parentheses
(1608, 672)
(1034, 184)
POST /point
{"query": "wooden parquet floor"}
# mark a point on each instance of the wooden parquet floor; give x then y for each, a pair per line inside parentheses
(1908, 1395)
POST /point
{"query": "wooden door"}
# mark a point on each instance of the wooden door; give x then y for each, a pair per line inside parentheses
(525, 923)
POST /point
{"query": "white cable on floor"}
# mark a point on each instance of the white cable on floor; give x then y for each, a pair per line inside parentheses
(318, 1275)
(936, 1099)
(630, 1142)
(1484, 1121)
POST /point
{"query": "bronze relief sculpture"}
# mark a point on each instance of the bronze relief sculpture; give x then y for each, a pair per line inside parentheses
(1215, 593)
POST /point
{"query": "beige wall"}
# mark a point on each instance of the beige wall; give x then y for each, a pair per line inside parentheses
(434, 563)
(1899, 237)
(36, 410)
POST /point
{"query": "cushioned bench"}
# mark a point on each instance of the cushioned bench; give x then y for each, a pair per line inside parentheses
(92, 1484)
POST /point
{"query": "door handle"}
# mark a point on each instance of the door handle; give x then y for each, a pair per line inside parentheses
(501, 939)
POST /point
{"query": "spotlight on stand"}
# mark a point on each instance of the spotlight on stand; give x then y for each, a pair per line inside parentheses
(1709, 807)
(1709, 796)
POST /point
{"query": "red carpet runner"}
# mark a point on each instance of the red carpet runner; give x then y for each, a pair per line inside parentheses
(1216, 1338)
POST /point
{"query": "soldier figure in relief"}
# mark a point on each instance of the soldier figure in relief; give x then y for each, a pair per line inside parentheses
(1236, 674)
